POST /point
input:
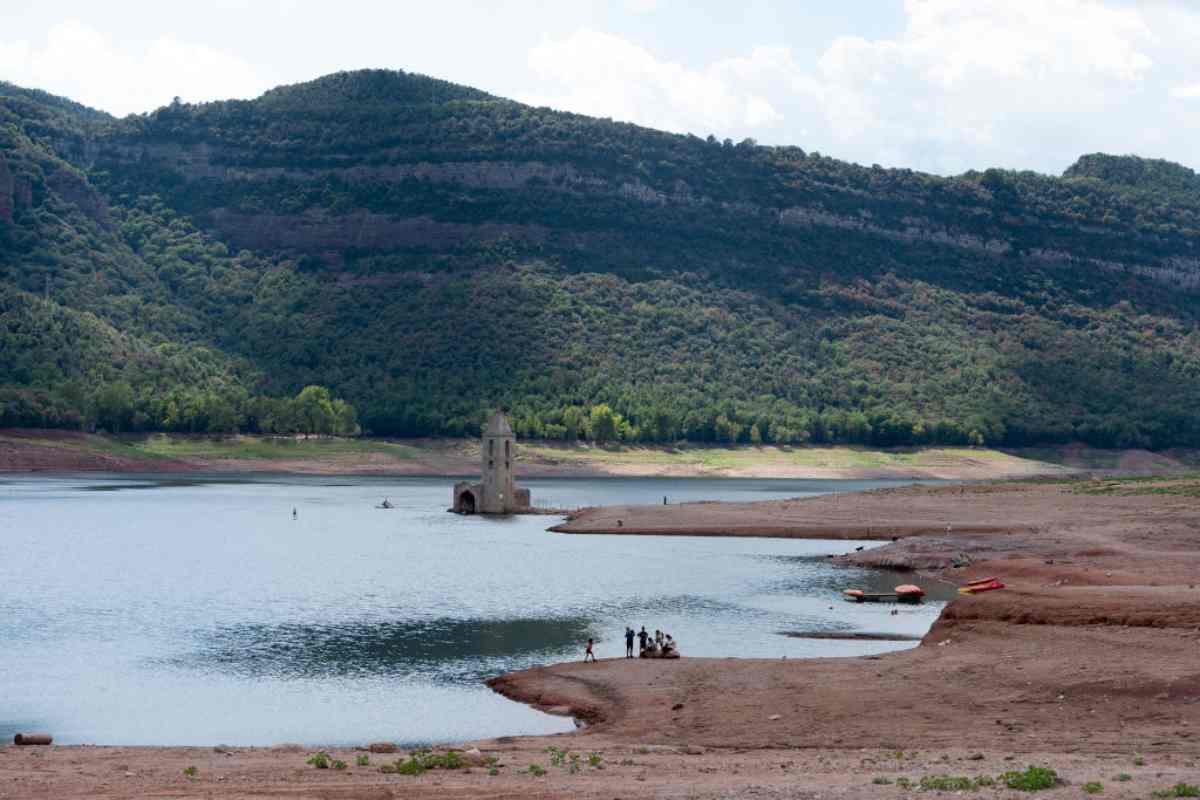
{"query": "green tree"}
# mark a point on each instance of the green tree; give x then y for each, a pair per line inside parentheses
(314, 410)
(114, 406)
(602, 424)
(345, 419)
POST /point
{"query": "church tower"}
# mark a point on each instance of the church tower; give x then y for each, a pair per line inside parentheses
(496, 493)
(499, 452)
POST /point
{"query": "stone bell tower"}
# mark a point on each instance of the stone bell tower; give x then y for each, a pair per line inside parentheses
(497, 454)
(496, 493)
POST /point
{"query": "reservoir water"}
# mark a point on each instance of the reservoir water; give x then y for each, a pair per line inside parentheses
(185, 610)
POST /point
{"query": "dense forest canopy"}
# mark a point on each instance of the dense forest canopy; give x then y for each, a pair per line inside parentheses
(403, 254)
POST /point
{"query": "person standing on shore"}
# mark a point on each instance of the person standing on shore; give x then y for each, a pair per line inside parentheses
(588, 653)
(628, 642)
(642, 637)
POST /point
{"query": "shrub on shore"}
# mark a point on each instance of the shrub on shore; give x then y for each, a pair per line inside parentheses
(1033, 779)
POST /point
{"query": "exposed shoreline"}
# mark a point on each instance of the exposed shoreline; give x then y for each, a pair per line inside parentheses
(1082, 562)
(56, 451)
(1085, 663)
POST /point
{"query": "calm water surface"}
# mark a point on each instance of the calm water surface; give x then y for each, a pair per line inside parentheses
(184, 610)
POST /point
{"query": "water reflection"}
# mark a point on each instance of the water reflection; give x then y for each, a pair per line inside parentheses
(361, 649)
(126, 485)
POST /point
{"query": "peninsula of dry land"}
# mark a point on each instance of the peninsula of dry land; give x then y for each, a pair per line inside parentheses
(1085, 664)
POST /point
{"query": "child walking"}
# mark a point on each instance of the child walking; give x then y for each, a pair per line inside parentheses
(589, 652)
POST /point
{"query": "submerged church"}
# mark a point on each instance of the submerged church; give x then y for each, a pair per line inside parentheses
(496, 493)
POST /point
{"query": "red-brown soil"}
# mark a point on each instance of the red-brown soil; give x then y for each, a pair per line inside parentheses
(24, 450)
(1087, 663)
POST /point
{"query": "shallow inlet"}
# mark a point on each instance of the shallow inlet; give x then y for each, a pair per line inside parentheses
(197, 611)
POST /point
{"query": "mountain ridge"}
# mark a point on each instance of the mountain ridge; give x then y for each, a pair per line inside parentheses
(345, 230)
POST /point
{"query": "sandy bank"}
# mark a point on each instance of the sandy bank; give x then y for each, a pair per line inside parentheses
(67, 451)
(1087, 651)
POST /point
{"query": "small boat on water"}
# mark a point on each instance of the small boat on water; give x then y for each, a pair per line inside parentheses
(905, 593)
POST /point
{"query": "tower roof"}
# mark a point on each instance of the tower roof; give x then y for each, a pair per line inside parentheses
(498, 426)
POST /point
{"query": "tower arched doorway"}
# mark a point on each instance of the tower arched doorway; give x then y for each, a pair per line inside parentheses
(466, 502)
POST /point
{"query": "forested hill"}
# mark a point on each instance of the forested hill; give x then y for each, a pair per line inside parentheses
(428, 251)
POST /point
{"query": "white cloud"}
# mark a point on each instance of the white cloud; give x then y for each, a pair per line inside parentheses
(85, 65)
(604, 75)
(983, 82)
(1016, 83)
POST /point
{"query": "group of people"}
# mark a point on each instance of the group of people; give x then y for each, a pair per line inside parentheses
(660, 645)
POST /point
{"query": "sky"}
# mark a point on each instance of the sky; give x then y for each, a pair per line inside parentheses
(935, 85)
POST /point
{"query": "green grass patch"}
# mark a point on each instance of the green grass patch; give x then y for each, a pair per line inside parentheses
(947, 783)
(422, 761)
(731, 457)
(1092, 787)
(265, 448)
(1178, 790)
(1033, 779)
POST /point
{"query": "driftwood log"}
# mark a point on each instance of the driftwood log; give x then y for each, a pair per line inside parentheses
(32, 738)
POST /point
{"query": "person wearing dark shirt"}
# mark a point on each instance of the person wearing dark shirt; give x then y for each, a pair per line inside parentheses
(628, 642)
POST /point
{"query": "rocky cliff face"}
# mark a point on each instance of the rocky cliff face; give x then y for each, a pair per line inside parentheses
(228, 184)
(74, 188)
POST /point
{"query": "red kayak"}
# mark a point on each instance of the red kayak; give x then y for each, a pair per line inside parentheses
(976, 588)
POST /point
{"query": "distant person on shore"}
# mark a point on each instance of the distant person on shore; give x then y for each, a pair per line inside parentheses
(628, 642)
(588, 653)
(658, 637)
(642, 637)
(294, 513)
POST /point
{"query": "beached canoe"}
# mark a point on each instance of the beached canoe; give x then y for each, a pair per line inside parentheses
(977, 588)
